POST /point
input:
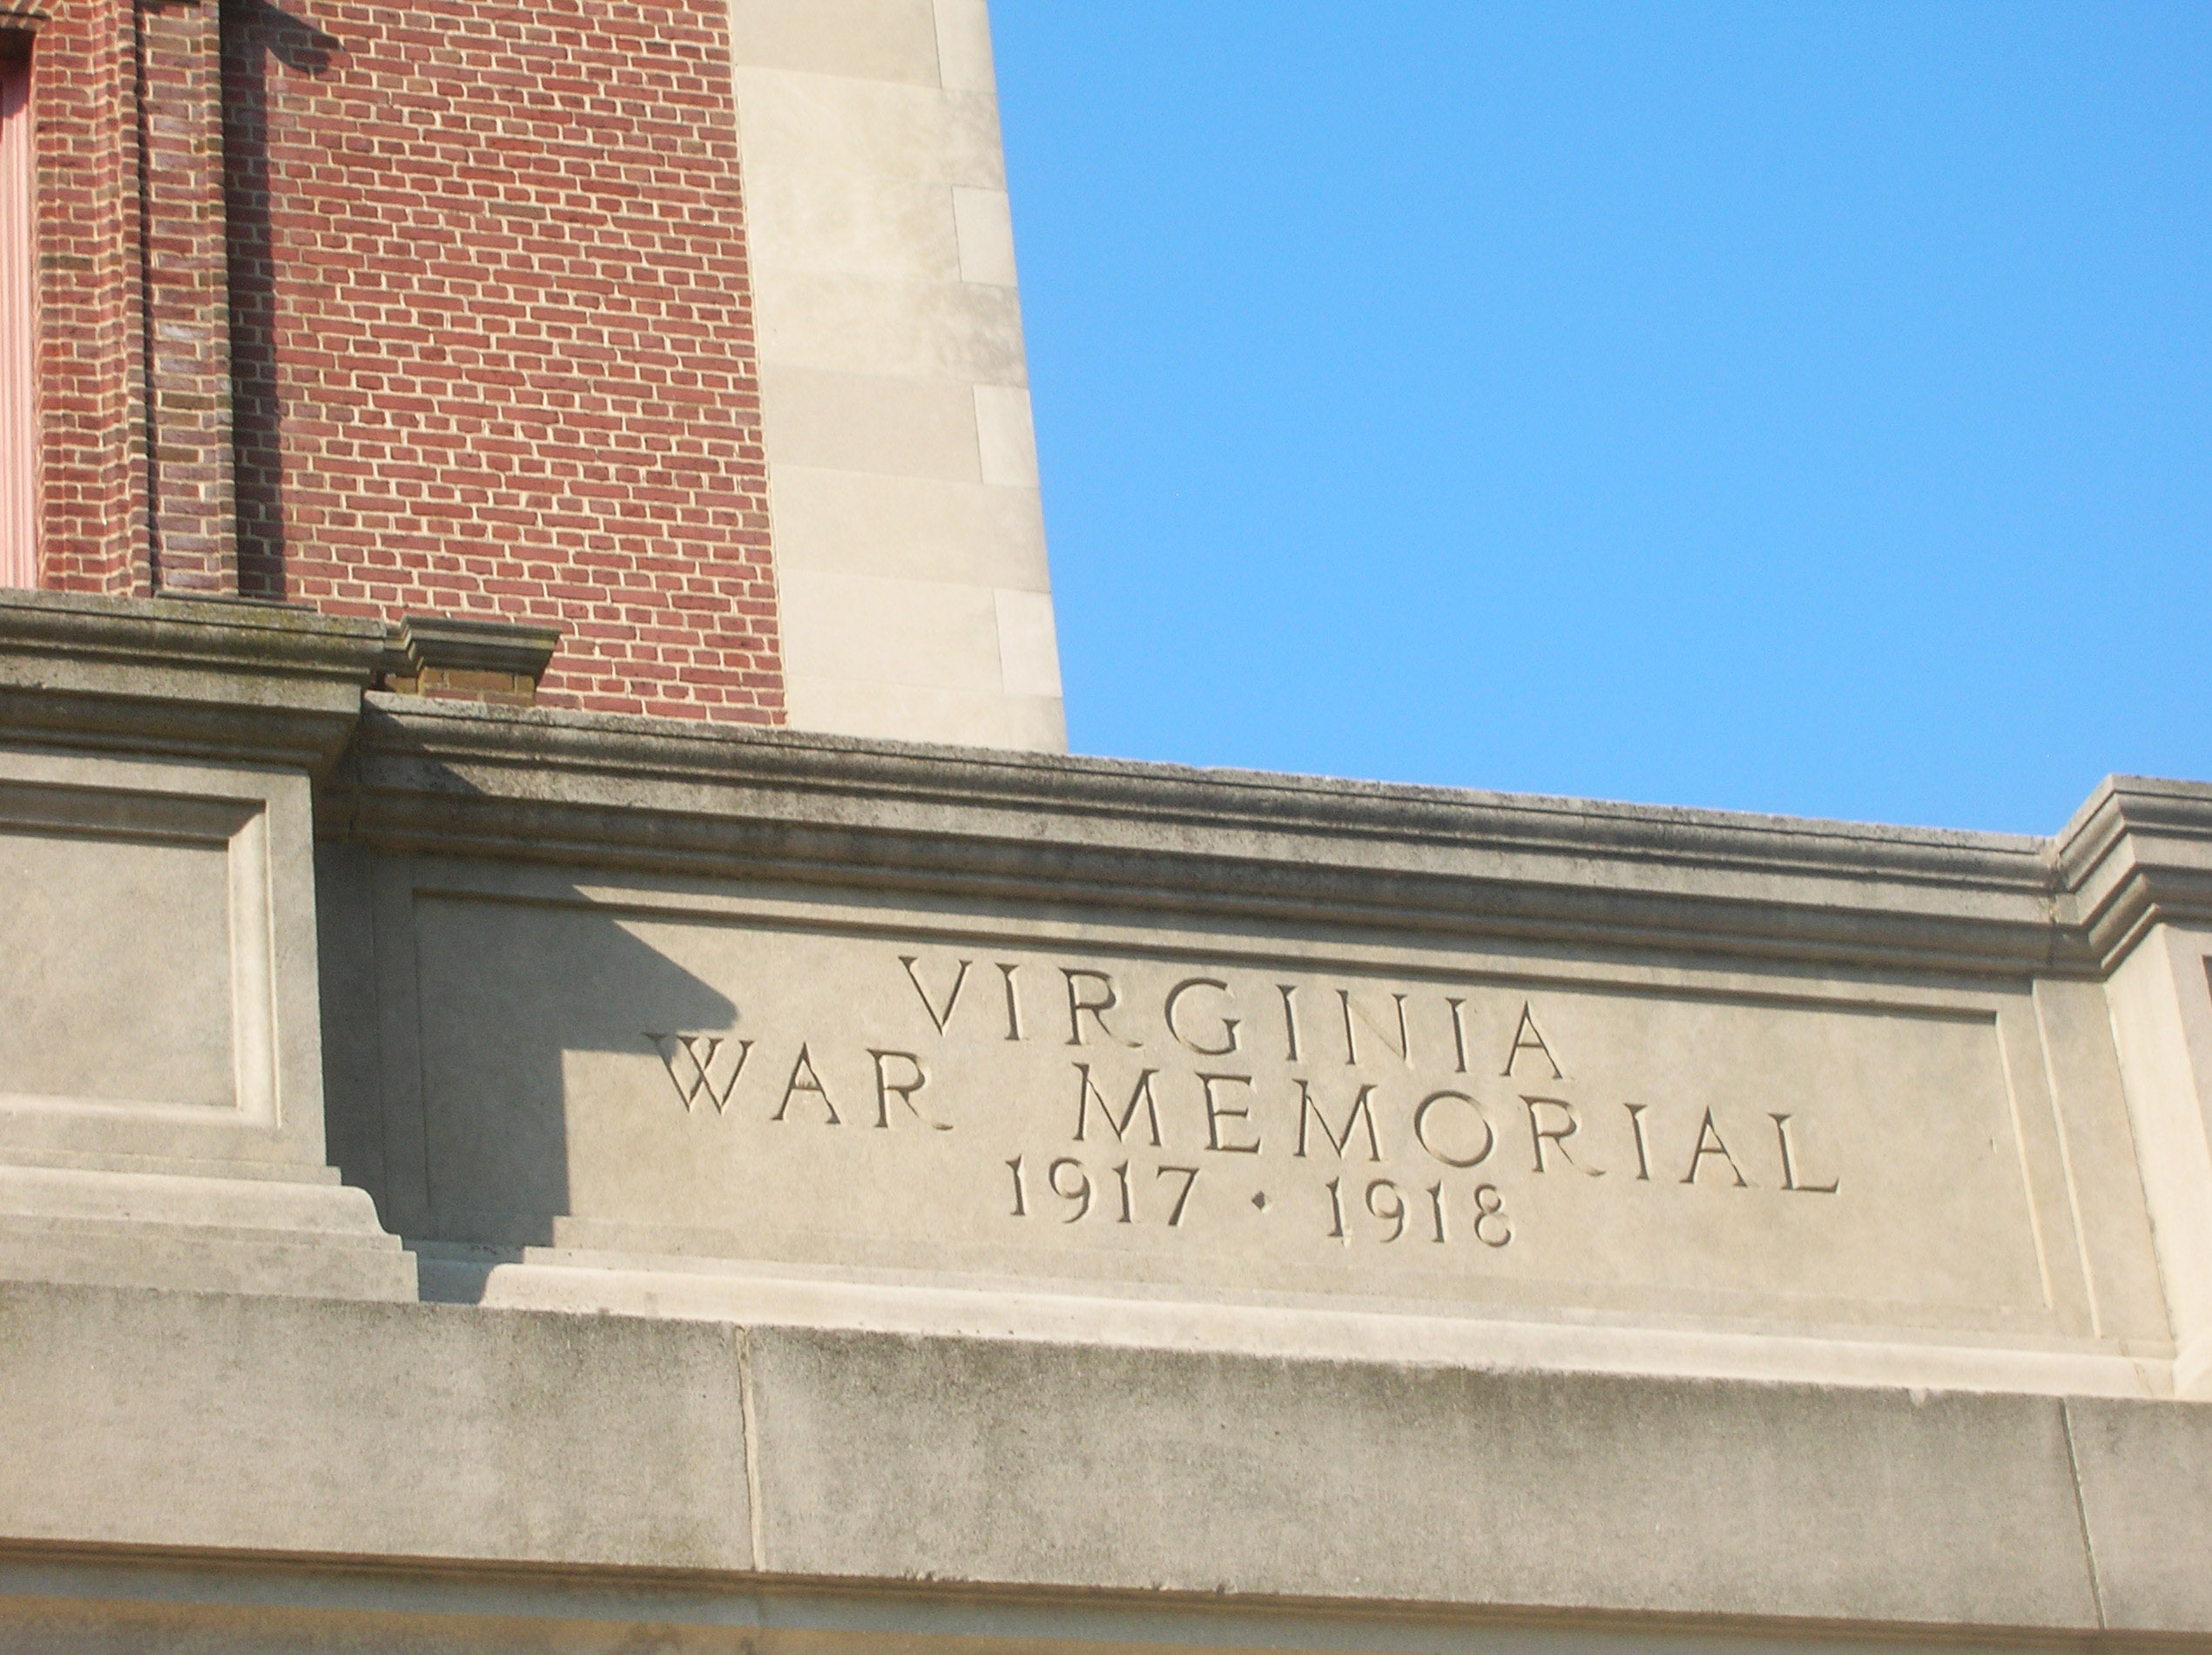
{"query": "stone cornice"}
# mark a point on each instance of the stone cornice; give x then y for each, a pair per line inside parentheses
(2137, 853)
(595, 790)
(261, 683)
(273, 685)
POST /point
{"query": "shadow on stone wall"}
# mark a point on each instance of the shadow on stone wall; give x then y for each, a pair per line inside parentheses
(449, 1025)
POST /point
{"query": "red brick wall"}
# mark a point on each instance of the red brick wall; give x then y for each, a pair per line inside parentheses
(92, 475)
(188, 342)
(495, 334)
(489, 347)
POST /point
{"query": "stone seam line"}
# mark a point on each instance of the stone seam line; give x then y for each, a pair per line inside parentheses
(2081, 1512)
(749, 1445)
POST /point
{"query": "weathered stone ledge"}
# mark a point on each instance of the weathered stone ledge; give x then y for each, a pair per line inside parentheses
(440, 1434)
(221, 679)
(656, 795)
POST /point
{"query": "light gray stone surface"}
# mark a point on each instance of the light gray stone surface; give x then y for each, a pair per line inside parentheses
(161, 1111)
(289, 1425)
(579, 1444)
(914, 600)
(854, 1088)
(234, 1229)
(2161, 1000)
(228, 681)
(1207, 1473)
(821, 1030)
(162, 999)
(818, 1384)
(2146, 1480)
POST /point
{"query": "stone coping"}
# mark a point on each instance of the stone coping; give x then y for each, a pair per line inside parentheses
(210, 678)
(273, 683)
(608, 791)
(279, 639)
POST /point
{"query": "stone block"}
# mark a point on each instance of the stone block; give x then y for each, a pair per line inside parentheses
(303, 1236)
(982, 718)
(1185, 1473)
(892, 40)
(161, 1110)
(897, 229)
(222, 679)
(202, 1047)
(802, 124)
(1006, 437)
(895, 634)
(1182, 1497)
(302, 1426)
(867, 324)
(2161, 1022)
(2105, 1192)
(1028, 650)
(964, 46)
(985, 221)
(870, 425)
(908, 528)
(2146, 1480)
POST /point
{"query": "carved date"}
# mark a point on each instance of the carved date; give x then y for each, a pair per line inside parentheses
(1385, 1203)
(1070, 1180)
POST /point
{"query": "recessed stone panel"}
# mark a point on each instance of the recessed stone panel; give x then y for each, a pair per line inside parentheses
(118, 982)
(1236, 1119)
(157, 1003)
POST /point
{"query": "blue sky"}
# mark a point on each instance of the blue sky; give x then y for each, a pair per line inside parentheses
(1791, 407)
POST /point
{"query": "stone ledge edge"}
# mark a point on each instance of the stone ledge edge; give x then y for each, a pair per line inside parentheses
(663, 795)
(446, 1436)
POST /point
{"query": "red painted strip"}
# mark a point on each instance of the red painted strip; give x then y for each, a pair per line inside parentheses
(18, 333)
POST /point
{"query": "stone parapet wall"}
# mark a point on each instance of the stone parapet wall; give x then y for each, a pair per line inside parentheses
(958, 1042)
(479, 1177)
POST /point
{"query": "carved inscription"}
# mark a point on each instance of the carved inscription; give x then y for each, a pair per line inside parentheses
(672, 1079)
(1365, 1115)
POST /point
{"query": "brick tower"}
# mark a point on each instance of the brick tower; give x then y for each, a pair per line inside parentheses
(683, 337)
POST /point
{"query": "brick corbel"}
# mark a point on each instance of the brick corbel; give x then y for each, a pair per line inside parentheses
(464, 658)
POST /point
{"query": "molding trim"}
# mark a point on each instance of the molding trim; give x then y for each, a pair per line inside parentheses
(456, 643)
(605, 791)
(227, 678)
(2138, 855)
(270, 684)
